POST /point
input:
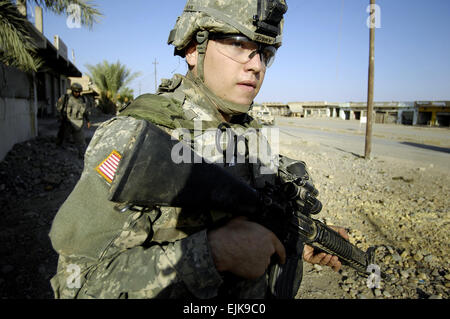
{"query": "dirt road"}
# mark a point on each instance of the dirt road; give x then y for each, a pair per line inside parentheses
(426, 145)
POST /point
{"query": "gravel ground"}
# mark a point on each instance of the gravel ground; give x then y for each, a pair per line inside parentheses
(400, 206)
(36, 178)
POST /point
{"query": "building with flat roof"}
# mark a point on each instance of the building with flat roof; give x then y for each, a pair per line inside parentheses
(278, 108)
(431, 113)
(434, 113)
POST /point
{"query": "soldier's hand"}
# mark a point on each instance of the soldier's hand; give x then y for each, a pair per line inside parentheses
(244, 248)
(88, 124)
(322, 258)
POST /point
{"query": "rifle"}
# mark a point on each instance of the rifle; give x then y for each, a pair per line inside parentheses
(63, 112)
(148, 176)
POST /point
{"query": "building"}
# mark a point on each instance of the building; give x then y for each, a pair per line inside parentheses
(295, 109)
(277, 108)
(26, 96)
(431, 113)
(316, 109)
(384, 112)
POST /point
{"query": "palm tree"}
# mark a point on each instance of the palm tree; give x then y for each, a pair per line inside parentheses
(125, 95)
(16, 46)
(111, 80)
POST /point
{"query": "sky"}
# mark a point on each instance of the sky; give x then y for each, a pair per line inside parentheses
(324, 56)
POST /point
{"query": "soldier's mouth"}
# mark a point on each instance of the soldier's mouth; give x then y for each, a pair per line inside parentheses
(247, 85)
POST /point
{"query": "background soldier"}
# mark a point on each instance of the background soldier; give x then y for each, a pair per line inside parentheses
(73, 111)
(169, 252)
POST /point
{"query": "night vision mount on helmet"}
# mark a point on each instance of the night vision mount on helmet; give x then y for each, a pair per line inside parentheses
(270, 14)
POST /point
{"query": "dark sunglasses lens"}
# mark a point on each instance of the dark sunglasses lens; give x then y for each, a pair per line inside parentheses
(268, 55)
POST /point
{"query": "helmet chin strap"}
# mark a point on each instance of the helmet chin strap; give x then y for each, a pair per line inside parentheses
(202, 43)
(225, 107)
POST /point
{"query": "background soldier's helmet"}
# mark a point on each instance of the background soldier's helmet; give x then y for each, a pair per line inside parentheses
(259, 20)
(76, 87)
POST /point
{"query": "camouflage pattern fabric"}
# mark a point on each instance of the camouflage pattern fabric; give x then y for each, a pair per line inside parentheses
(75, 113)
(157, 252)
(67, 129)
(76, 110)
(112, 251)
(229, 17)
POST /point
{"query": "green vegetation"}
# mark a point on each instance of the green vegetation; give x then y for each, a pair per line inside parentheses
(16, 46)
(111, 81)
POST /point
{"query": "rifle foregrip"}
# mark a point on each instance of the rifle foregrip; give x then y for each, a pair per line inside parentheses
(331, 242)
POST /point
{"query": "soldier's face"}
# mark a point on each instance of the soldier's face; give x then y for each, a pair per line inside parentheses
(76, 93)
(232, 81)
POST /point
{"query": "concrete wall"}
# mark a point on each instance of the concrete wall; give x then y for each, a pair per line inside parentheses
(316, 112)
(22, 97)
(18, 108)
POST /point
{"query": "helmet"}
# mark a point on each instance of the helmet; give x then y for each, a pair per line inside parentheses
(76, 87)
(259, 20)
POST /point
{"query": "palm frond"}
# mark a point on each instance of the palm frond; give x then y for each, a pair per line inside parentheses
(16, 47)
(89, 12)
(111, 79)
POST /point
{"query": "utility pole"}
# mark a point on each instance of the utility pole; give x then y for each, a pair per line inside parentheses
(368, 146)
(156, 83)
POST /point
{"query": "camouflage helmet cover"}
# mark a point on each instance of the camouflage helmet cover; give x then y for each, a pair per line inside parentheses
(260, 20)
(76, 87)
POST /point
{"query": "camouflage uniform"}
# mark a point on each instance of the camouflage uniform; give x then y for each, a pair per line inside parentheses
(143, 254)
(158, 252)
(72, 118)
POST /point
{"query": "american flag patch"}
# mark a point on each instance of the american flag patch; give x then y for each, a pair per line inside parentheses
(108, 167)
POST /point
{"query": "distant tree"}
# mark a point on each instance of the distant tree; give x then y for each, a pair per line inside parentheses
(125, 95)
(111, 80)
(16, 46)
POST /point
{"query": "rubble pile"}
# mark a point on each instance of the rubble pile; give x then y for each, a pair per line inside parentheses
(35, 179)
(35, 167)
(401, 207)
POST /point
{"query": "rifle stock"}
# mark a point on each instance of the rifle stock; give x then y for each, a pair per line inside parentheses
(147, 175)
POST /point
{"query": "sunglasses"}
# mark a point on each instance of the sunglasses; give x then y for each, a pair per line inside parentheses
(241, 49)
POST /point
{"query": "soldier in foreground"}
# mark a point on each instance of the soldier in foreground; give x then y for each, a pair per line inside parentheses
(73, 112)
(169, 252)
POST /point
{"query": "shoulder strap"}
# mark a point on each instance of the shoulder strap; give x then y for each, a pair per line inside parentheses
(159, 110)
(167, 111)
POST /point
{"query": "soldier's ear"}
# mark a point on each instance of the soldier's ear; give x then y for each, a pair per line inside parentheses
(192, 55)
